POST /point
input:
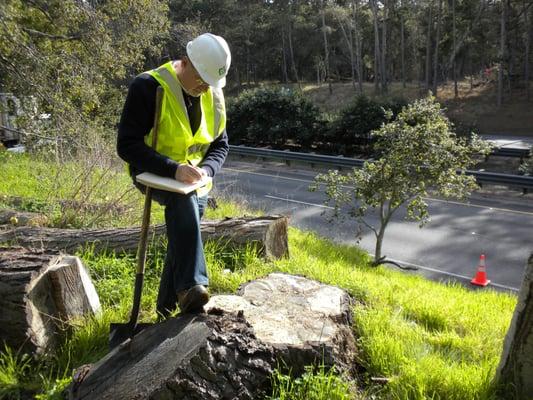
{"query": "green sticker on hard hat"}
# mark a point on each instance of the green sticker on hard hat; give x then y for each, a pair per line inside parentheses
(221, 71)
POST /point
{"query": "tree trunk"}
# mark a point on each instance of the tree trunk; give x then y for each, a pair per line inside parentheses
(402, 45)
(291, 51)
(377, 51)
(502, 52)
(40, 290)
(428, 44)
(454, 68)
(436, 54)
(384, 75)
(326, 50)
(358, 57)
(284, 74)
(516, 364)
(379, 244)
(527, 44)
(267, 234)
(349, 45)
(460, 43)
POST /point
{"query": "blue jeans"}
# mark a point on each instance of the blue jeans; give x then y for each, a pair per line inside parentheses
(185, 260)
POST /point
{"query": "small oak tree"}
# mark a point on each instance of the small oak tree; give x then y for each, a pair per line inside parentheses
(419, 152)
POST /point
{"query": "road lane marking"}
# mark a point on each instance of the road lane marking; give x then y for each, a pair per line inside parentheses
(269, 175)
(399, 261)
(426, 198)
(480, 206)
(297, 201)
(450, 274)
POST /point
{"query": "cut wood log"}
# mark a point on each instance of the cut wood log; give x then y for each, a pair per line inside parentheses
(22, 218)
(230, 352)
(267, 234)
(198, 357)
(39, 291)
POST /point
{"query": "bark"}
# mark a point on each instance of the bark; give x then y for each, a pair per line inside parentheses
(326, 49)
(193, 357)
(267, 234)
(428, 44)
(402, 44)
(379, 243)
(527, 44)
(516, 364)
(230, 352)
(454, 69)
(384, 87)
(284, 74)
(376, 46)
(348, 38)
(460, 43)
(502, 52)
(436, 54)
(358, 57)
(291, 51)
(39, 292)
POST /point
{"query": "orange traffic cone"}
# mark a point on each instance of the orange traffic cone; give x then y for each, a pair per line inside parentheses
(481, 275)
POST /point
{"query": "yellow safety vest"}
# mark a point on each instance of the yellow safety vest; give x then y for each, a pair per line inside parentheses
(175, 138)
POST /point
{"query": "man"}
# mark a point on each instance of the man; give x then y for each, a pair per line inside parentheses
(192, 142)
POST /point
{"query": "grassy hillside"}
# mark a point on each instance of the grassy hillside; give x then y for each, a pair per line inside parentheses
(428, 340)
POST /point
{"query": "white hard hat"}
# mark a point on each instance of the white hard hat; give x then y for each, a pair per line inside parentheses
(211, 57)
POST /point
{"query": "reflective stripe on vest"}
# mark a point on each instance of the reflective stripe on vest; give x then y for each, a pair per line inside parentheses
(175, 138)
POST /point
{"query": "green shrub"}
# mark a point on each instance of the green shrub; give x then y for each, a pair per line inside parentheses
(273, 116)
(351, 130)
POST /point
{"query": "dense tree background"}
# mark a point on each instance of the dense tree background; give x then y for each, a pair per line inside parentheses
(77, 56)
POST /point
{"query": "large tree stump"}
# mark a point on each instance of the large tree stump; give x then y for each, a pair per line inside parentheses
(305, 321)
(267, 234)
(40, 290)
(515, 372)
(230, 352)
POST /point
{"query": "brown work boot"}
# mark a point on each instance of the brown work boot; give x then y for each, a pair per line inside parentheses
(193, 299)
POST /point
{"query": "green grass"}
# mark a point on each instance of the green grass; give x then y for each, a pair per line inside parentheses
(315, 384)
(429, 340)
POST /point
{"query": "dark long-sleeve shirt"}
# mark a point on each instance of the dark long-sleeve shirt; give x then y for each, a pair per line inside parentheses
(138, 118)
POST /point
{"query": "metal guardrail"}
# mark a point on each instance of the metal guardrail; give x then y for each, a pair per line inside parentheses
(518, 181)
(510, 152)
(286, 155)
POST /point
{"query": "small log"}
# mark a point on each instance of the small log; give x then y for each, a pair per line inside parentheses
(22, 218)
(267, 234)
(39, 291)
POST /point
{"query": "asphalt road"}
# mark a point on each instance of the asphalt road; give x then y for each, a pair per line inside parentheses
(447, 248)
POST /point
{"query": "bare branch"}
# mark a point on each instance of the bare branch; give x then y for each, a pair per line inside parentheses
(49, 36)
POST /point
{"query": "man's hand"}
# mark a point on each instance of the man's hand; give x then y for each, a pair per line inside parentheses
(189, 174)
